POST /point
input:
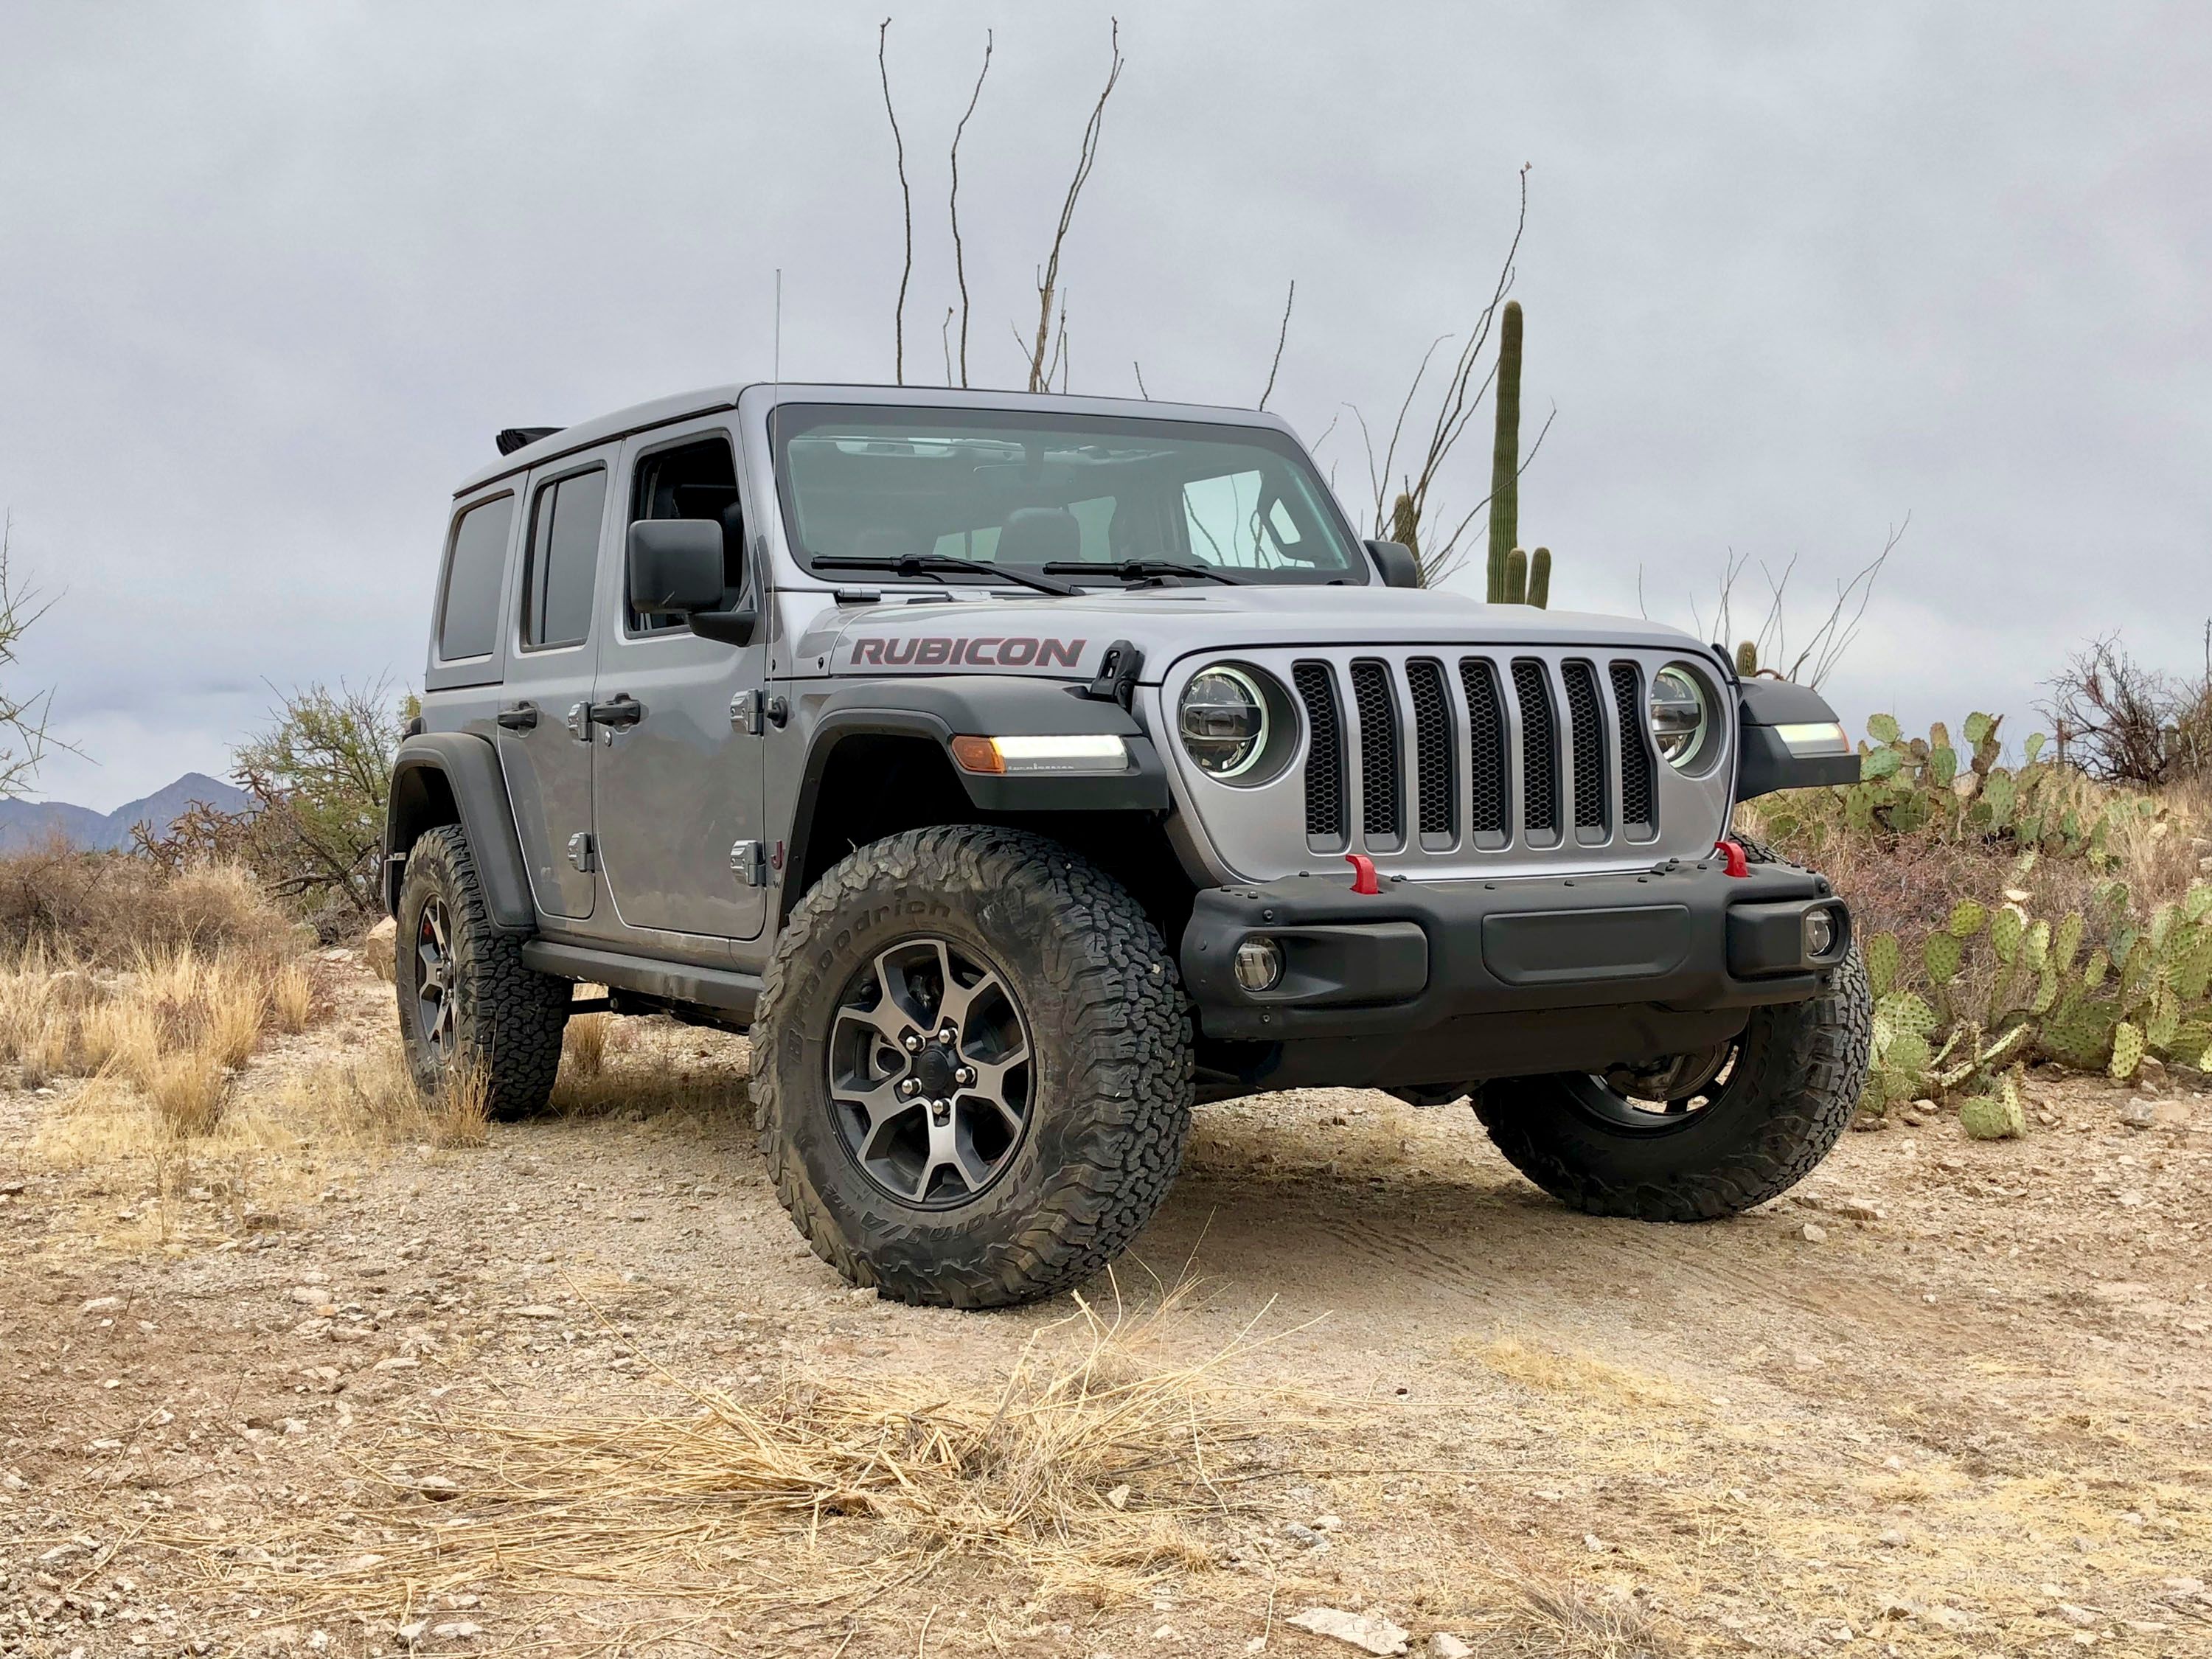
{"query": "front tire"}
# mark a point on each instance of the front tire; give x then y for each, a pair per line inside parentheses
(468, 1005)
(971, 1067)
(1780, 1101)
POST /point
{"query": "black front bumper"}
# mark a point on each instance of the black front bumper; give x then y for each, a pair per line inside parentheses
(1420, 955)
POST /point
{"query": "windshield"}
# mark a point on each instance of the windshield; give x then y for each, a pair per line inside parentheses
(1033, 491)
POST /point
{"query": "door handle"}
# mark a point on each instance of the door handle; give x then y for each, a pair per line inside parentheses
(621, 711)
(522, 717)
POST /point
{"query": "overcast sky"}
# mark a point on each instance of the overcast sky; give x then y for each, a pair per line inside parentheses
(270, 277)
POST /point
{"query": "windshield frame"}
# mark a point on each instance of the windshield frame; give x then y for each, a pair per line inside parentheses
(1016, 419)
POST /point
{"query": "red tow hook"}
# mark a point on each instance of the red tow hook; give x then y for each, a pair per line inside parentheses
(1363, 872)
(1732, 858)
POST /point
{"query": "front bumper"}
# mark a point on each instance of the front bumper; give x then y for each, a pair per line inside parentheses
(1421, 955)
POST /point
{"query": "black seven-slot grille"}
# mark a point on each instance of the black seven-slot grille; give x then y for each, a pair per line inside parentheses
(1465, 753)
(1316, 688)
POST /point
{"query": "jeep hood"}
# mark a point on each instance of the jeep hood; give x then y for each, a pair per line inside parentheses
(1067, 638)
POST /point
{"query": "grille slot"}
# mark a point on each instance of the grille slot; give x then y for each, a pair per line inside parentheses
(1485, 734)
(1432, 745)
(1587, 730)
(1539, 752)
(1316, 689)
(1381, 810)
(1638, 793)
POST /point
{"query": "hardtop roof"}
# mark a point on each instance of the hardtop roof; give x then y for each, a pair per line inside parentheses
(685, 405)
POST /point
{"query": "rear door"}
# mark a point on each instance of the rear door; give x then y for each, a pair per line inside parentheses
(545, 736)
(679, 786)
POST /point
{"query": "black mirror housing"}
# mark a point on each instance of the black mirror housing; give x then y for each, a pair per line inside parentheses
(676, 565)
(1396, 561)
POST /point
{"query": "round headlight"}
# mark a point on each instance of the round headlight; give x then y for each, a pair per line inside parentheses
(1222, 721)
(1679, 716)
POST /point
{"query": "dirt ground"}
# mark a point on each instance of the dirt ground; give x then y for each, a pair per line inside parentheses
(1946, 1397)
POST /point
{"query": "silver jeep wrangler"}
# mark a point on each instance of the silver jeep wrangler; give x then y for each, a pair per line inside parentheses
(1021, 771)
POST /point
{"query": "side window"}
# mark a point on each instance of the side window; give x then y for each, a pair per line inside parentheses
(693, 480)
(564, 555)
(468, 610)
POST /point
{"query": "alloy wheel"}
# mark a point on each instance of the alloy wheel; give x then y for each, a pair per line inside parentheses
(930, 1073)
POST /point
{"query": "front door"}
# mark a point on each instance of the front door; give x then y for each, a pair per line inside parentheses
(680, 788)
(546, 735)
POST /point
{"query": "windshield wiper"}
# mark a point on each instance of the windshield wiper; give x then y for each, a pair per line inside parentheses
(1145, 570)
(936, 564)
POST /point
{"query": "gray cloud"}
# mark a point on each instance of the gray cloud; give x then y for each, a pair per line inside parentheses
(271, 276)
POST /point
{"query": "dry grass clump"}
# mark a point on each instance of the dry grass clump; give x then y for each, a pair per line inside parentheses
(648, 1067)
(1095, 1465)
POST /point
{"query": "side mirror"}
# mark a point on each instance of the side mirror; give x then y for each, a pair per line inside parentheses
(1396, 561)
(675, 566)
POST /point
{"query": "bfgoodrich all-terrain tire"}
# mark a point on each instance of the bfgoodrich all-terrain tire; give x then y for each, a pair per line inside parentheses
(1787, 1092)
(971, 1067)
(467, 1004)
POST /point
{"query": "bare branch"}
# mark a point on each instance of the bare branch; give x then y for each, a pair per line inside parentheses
(959, 251)
(1140, 368)
(906, 203)
(1281, 335)
(1048, 280)
(945, 341)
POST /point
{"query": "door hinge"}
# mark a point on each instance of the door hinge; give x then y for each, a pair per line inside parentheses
(749, 862)
(753, 711)
(583, 851)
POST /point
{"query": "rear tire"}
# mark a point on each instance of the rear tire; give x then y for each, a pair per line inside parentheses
(467, 1003)
(1793, 1082)
(1040, 1136)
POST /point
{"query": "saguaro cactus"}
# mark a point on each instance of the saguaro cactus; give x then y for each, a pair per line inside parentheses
(1540, 578)
(1506, 453)
(1516, 578)
(1747, 658)
(1406, 525)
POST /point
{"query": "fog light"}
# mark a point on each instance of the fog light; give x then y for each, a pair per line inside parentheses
(1819, 934)
(1258, 963)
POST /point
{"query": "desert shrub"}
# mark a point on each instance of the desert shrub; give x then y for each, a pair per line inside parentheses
(108, 909)
(2121, 722)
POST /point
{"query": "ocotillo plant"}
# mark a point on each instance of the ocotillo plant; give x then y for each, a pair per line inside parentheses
(1506, 453)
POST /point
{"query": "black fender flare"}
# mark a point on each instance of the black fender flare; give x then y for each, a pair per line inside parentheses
(454, 777)
(941, 708)
(1768, 762)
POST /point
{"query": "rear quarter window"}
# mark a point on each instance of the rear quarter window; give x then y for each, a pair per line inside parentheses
(468, 609)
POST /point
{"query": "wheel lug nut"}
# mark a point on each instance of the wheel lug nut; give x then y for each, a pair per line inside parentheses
(913, 1043)
(909, 1087)
(965, 1075)
(947, 1035)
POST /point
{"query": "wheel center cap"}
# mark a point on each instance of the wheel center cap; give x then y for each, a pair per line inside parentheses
(936, 1070)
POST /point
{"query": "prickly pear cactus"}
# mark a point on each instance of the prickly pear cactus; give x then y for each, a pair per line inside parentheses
(2001, 1114)
(2127, 1049)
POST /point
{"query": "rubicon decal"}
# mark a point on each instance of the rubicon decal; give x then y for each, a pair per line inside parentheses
(986, 651)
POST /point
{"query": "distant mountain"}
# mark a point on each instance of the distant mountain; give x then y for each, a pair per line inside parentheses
(29, 823)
